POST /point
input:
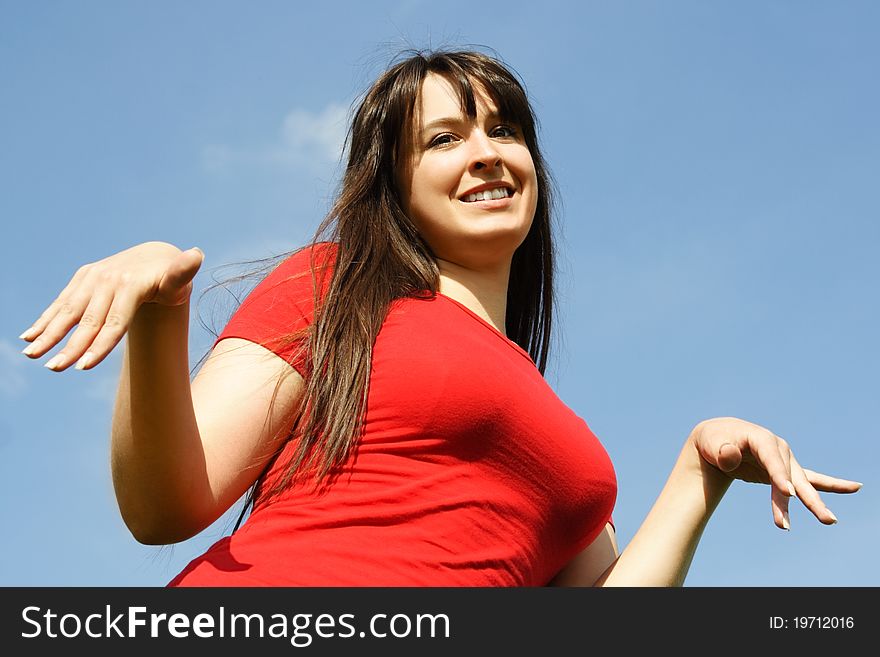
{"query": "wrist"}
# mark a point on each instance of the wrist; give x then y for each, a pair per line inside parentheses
(152, 316)
(693, 467)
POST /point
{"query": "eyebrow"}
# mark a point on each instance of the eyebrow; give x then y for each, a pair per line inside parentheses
(456, 120)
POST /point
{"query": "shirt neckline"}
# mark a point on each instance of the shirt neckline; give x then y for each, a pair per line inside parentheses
(482, 321)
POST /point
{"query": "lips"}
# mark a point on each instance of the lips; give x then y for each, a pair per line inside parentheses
(488, 195)
(491, 191)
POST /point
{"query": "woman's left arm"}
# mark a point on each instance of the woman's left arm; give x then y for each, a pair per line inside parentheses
(716, 452)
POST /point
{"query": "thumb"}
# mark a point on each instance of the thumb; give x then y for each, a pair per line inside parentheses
(184, 268)
(179, 275)
(729, 457)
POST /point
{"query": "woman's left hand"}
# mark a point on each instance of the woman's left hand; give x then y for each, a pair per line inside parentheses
(742, 450)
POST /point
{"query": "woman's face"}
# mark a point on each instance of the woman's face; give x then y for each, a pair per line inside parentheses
(468, 184)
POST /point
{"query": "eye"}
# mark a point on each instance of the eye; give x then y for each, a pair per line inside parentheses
(443, 139)
(504, 131)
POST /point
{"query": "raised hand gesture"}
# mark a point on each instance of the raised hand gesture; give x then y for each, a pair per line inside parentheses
(103, 297)
(737, 449)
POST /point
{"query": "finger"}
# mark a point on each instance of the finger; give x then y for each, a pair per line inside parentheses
(808, 495)
(116, 323)
(37, 328)
(765, 447)
(782, 500)
(828, 484)
(779, 499)
(67, 310)
(729, 457)
(90, 323)
(779, 507)
(785, 455)
(180, 272)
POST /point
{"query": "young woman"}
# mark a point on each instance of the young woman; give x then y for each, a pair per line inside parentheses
(381, 392)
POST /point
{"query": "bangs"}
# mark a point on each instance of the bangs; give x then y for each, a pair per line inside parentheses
(508, 95)
(511, 102)
(389, 109)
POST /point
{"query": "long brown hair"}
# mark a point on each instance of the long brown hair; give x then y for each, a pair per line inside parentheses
(380, 255)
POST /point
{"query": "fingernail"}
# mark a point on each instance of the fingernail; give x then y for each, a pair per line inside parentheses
(786, 522)
(26, 334)
(791, 490)
(833, 517)
(31, 349)
(55, 361)
(85, 361)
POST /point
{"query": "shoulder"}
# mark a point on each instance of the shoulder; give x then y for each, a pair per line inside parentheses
(282, 305)
(296, 277)
(315, 258)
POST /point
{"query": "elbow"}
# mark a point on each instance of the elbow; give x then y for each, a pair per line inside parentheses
(152, 539)
(156, 517)
(147, 535)
(148, 529)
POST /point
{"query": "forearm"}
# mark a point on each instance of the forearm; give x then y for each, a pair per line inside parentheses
(661, 551)
(157, 458)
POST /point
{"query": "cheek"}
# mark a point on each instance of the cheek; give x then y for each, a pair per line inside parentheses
(432, 184)
(441, 175)
(534, 181)
(529, 177)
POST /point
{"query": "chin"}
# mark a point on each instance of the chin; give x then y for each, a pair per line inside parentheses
(486, 248)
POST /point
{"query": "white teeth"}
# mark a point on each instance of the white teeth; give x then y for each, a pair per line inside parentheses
(488, 195)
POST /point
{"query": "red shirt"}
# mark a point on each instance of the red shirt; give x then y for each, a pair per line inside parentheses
(471, 471)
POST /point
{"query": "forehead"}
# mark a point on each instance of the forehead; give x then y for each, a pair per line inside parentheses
(440, 98)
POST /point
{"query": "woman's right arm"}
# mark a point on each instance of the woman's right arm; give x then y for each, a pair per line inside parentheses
(181, 453)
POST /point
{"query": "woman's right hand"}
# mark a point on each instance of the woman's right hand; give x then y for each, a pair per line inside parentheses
(103, 297)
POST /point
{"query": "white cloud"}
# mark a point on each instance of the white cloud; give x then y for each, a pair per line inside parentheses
(311, 140)
(314, 135)
(12, 381)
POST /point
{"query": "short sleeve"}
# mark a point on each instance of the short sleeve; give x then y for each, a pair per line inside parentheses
(278, 310)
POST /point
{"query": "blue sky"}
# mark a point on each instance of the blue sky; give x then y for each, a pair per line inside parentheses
(719, 230)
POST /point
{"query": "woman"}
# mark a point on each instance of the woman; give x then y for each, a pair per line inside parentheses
(381, 392)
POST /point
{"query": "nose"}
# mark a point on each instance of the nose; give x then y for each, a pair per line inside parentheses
(485, 154)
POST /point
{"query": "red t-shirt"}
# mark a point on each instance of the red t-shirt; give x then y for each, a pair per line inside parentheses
(470, 471)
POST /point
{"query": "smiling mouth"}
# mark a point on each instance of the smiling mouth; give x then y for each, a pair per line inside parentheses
(488, 195)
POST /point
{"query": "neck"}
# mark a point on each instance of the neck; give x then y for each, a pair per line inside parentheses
(482, 291)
